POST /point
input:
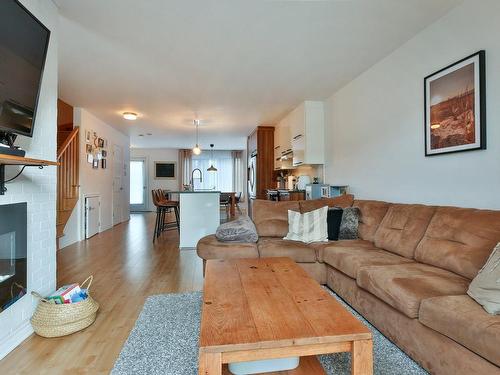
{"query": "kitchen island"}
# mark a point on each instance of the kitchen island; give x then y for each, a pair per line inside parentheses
(199, 215)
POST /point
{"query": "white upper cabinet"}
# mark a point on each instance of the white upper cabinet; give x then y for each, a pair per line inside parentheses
(307, 128)
(301, 131)
(282, 146)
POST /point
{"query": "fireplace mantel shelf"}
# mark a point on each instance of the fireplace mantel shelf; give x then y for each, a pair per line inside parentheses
(22, 161)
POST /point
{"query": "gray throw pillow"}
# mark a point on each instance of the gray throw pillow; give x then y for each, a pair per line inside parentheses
(239, 230)
(485, 288)
(349, 224)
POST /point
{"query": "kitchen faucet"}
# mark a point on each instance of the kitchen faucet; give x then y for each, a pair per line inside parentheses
(192, 176)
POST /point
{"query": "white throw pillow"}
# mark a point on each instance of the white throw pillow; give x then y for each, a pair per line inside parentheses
(308, 227)
(485, 288)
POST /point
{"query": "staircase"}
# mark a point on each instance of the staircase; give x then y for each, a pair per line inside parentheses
(68, 155)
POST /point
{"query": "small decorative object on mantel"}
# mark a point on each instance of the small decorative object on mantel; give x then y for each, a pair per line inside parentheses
(455, 107)
(68, 310)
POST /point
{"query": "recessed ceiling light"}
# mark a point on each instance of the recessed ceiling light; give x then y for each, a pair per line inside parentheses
(130, 116)
(141, 135)
(149, 134)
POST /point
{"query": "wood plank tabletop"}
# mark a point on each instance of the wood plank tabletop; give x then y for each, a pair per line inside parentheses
(270, 303)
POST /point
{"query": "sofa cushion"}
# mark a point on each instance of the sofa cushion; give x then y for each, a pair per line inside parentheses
(350, 259)
(485, 288)
(333, 221)
(321, 246)
(371, 215)
(341, 201)
(271, 218)
(403, 227)
(277, 247)
(459, 239)
(239, 230)
(308, 227)
(463, 320)
(349, 224)
(404, 286)
(209, 247)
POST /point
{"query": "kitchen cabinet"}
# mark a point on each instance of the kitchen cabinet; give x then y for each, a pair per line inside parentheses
(297, 195)
(307, 128)
(260, 151)
(282, 146)
(277, 146)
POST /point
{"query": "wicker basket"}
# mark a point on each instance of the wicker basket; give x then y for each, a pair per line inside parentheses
(51, 320)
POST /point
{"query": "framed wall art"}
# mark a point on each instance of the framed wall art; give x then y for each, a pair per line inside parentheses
(455, 107)
(165, 170)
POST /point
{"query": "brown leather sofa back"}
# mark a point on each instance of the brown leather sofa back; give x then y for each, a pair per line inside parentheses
(459, 239)
(342, 201)
(402, 228)
(371, 215)
(271, 218)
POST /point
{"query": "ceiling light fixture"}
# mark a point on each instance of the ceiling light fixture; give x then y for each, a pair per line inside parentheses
(212, 168)
(196, 149)
(130, 116)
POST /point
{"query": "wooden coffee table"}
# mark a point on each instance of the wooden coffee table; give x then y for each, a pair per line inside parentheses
(266, 308)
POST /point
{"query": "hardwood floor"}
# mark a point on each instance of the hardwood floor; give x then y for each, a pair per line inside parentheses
(127, 268)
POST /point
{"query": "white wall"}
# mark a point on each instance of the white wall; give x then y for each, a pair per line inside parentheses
(98, 181)
(157, 154)
(37, 188)
(375, 123)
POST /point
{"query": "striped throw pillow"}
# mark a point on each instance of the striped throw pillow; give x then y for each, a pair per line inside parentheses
(308, 227)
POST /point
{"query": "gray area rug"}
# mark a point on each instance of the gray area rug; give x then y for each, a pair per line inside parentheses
(165, 341)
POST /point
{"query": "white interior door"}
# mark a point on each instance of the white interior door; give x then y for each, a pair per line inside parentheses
(138, 184)
(92, 216)
(117, 184)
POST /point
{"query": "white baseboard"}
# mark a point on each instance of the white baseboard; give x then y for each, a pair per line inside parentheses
(15, 338)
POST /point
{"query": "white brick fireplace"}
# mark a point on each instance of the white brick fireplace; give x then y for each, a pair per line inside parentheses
(37, 188)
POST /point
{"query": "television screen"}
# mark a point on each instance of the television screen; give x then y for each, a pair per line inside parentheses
(23, 47)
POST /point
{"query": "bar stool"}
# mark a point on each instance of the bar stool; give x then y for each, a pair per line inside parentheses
(162, 207)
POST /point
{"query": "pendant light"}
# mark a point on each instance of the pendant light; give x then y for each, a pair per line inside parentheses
(196, 149)
(212, 168)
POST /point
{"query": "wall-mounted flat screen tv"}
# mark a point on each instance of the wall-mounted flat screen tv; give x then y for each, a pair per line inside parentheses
(23, 48)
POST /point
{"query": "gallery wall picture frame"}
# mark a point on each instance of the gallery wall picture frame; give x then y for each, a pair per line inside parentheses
(103, 163)
(95, 163)
(165, 170)
(88, 136)
(455, 107)
(88, 148)
(104, 153)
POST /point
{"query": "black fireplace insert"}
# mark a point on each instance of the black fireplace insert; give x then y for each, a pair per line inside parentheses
(13, 254)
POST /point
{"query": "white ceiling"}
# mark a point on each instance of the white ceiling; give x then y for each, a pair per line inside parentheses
(234, 64)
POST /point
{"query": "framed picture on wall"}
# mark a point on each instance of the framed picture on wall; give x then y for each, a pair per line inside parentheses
(95, 163)
(165, 170)
(455, 107)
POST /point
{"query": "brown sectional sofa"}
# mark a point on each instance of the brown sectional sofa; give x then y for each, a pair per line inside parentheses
(408, 274)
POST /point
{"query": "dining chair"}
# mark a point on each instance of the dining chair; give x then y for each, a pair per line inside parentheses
(164, 205)
(225, 200)
(237, 199)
